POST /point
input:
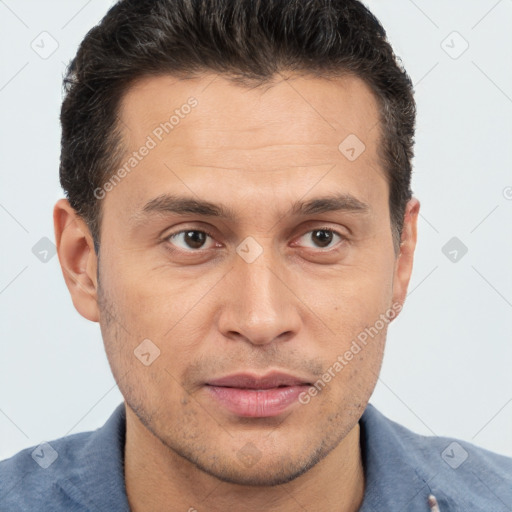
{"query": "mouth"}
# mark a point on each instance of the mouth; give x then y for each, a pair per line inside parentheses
(253, 396)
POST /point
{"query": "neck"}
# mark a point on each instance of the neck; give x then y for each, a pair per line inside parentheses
(157, 478)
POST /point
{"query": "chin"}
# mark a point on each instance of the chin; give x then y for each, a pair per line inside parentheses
(250, 468)
(264, 476)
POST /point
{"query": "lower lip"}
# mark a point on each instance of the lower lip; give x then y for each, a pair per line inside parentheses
(255, 403)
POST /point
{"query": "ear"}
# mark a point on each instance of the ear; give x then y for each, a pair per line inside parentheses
(404, 261)
(77, 258)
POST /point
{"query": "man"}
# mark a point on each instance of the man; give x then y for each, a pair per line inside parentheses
(246, 353)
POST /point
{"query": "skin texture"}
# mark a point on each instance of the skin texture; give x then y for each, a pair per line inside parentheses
(295, 308)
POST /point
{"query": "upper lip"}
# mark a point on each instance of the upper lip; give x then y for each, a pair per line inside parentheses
(252, 381)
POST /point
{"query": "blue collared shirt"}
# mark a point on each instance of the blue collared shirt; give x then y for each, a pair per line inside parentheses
(84, 472)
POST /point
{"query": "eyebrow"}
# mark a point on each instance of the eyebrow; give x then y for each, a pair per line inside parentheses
(179, 205)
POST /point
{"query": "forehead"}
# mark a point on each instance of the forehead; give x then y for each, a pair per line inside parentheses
(282, 134)
(313, 110)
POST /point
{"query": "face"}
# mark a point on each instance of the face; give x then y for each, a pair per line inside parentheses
(290, 268)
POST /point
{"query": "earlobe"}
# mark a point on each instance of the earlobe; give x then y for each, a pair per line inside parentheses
(405, 258)
(77, 258)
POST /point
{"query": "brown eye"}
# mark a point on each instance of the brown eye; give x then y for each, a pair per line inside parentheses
(191, 239)
(322, 238)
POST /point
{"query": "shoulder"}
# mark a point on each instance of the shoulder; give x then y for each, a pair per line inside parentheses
(36, 471)
(457, 469)
(80, 472)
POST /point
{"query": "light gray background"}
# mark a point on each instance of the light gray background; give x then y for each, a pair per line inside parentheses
(447, 366)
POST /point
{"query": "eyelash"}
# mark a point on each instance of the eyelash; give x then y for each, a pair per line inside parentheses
(204, 231)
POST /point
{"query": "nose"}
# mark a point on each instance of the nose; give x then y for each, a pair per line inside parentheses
(260, 305)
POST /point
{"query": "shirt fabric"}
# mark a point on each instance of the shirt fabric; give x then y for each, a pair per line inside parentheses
(84, 472)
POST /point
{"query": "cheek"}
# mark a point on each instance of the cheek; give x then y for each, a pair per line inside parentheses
(162, 291)
(158, 321)
(348, 381)
(353, 346)
(354, 298)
